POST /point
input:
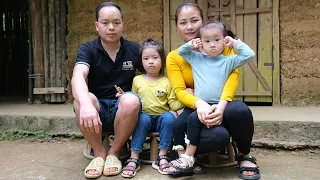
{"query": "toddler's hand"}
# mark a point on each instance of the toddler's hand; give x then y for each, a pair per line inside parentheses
(197, 43)
(228, 41)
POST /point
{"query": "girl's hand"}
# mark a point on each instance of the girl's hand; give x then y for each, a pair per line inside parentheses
(228, 41)
(189, 90)
(174, 113)
(119, 91)
(197, 43)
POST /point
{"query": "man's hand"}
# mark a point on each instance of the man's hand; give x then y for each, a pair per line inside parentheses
(228, 41)
(119, 91)
(89, 118)
(197, 43)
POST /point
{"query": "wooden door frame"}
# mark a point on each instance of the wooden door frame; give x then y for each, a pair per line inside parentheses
(275, 43)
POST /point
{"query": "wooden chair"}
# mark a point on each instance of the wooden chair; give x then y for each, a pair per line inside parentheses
(150, 154)
(222, 159)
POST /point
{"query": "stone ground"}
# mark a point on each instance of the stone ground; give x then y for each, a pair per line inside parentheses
(63, 159)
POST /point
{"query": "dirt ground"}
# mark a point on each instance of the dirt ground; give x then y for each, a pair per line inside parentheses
(63, 160)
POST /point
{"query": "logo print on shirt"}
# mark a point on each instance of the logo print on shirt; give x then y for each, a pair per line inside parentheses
(127, 65)
(160, 93)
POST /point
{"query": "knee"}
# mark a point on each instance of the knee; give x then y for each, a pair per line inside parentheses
(238, 108)
(129, 101)
(193, 117)
(168, 118)
(144, 120)
(179, 123)
(219, 135)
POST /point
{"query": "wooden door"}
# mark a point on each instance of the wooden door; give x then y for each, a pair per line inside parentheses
(255, 22)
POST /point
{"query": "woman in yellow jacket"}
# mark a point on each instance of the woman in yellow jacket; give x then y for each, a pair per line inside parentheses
(225, 119)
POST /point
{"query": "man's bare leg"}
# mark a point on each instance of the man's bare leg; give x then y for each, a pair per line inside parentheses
(94, 139)
(125, 122)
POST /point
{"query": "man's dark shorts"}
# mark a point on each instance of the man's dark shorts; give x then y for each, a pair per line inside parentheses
(108, 110)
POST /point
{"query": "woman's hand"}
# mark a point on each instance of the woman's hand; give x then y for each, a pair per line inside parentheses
(215, 116)
(203, 110)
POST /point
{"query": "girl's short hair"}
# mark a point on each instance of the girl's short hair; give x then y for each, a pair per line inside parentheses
(216, 24)
(187, 4)
(148, 43)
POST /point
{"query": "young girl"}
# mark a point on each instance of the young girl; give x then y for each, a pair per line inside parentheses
(210, 71)
(158, 99)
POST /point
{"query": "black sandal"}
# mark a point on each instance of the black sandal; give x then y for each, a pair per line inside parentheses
(133, 169)
(156, 164)
(245, 168)
(199, 169)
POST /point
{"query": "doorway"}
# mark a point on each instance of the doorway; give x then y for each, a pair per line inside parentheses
(14, 50)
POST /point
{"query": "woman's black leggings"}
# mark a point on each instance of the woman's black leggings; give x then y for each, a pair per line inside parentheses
(237, 123)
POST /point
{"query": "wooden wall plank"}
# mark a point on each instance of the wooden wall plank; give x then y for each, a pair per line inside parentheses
(35, 8)
(250, 38)
(175, 41)
(166, 25)
(49, 90)
(58, 47)
(276, 53)
(265, 47)
(63, 47)
(233, 15)
(239, 34)
(216, 5)
(224, 11)
(204, 6)
(45, 35)
(52, 45)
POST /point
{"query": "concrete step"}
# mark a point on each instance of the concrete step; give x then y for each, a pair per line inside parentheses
(275, 126)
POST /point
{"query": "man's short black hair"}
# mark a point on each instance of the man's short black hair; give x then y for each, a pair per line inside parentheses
(107, 4)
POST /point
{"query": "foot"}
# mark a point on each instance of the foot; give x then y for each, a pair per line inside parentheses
(130, 170)
(248, 167)
(129, 173)
(248, 164)
(112, 166)
(184, 162)
(94, 169)
(162, 162)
